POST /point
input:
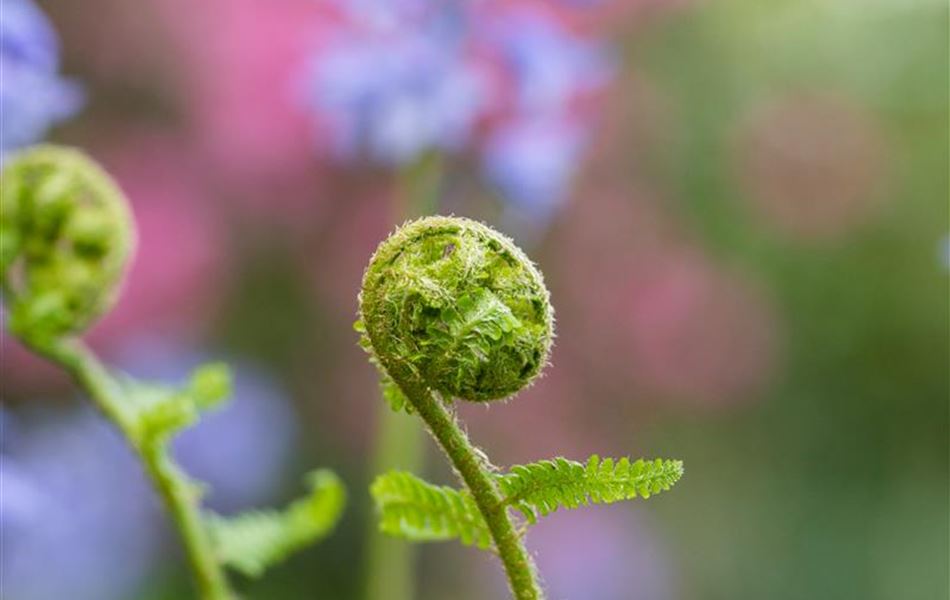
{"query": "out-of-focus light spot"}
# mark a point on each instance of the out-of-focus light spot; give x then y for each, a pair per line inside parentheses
(78, 518)
(33, 97)
(811, 166)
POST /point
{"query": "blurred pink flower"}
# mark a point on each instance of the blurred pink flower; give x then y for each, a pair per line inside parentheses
(348, 243)
(180, 271)
(667, 323)
(241, 59)
(241, 62)
(811, 165)
(699, 334)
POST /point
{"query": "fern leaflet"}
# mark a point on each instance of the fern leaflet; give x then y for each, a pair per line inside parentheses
(253, 541)
(543, 487)
(154, 412)
(420, 511)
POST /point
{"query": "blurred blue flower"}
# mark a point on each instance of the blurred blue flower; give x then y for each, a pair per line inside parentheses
(77, 516)
(508, 83)
(551, 66)
(532, 162)
(533, 155)
(32, 95)
(22, 502)
(394, 96)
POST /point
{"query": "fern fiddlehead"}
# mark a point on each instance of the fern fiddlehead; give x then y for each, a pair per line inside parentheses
(451, 309)
(66, 235)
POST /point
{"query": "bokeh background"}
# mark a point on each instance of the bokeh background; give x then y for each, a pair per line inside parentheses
(741, 209)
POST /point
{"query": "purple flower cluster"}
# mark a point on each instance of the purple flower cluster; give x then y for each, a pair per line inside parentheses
(33, 97)
(68, 530)
(510, 83)
(393, 97)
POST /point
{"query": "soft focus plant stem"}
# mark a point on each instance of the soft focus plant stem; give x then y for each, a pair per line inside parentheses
(420, 184)
(521, 572)
(390, 562)
(180, 494)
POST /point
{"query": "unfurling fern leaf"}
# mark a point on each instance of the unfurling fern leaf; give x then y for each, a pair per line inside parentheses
(155, 412)
(253, 541)
(544, 486)
(419, 511)
(450, 309)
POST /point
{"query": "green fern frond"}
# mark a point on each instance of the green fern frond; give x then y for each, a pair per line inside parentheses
(543, 487)
(419, 511)
(154, 412)
(253, 541)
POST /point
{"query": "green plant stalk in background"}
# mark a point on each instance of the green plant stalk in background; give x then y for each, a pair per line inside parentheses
(390, 565)
(66, 236)
(451, 309)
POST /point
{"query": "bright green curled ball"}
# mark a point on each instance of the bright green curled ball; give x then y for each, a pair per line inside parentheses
(454, 306)
(65, 238)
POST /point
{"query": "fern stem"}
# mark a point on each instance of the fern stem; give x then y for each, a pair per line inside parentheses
(180, 494)
(520, 569)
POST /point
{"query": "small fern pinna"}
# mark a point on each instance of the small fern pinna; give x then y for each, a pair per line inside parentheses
(451, 309)
(66, 236)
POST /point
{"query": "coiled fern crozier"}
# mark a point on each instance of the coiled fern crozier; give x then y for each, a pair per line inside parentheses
(451, 309)
(66, 236)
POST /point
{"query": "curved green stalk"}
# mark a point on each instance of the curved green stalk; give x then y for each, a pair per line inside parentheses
(181, 495)
(519, 568)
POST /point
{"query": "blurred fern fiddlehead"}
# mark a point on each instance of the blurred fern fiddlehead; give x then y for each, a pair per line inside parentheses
(451, 309)
(66, 236)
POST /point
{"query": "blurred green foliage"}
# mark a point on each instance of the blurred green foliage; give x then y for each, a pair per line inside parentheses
(836, 486)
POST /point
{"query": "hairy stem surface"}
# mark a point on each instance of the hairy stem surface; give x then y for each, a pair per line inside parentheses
(181, 495)
(521, 572)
